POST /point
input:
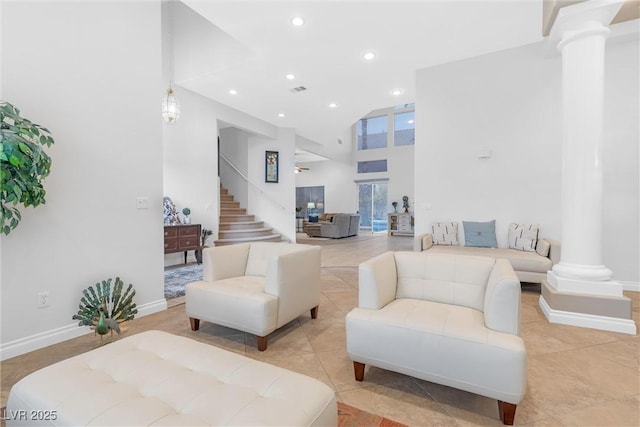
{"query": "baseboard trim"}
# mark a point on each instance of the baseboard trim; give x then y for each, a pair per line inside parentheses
(613, 324)
(53, 336)
(631, 286)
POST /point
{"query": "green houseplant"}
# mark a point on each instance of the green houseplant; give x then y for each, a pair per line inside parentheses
(186, 212)
(23, 164)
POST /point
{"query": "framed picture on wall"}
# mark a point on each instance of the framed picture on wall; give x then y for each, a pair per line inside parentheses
(271, 166)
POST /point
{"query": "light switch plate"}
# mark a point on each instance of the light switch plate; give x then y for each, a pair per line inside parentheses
(142, 202)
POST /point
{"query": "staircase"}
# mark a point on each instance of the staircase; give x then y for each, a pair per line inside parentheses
(238, 227)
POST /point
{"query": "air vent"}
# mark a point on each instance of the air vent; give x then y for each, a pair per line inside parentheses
(298, 89)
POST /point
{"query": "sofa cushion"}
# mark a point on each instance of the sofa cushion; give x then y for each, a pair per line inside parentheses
(523, 237)
(520, 260)
(543, 247)
(238, 302)
(445, 233)
(454, 280)
(480, 234)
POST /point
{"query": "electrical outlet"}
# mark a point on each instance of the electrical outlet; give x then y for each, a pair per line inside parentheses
(43, 299)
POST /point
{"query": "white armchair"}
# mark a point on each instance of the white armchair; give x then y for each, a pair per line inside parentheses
(448, 319)
(255, 287)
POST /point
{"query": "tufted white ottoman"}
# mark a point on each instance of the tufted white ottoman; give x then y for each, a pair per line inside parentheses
(156, 378)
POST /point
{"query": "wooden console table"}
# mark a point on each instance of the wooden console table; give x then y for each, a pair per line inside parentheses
(181, 238)
(401, 224)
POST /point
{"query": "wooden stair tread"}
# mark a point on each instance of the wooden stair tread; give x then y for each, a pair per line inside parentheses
(250, 239)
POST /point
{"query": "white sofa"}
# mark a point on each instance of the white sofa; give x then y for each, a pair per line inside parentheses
(156, 378)
(255, 287)
(530, 267)
(448, 319)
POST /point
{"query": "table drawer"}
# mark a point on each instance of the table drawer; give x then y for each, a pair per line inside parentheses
(185, 231)
(170, 232)
(170, 245)
(188, 243)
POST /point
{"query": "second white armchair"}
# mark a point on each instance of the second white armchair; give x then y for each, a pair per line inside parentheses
(255, 287)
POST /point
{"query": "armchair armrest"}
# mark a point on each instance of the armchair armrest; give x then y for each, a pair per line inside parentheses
(378, 281)
(422, 242)
(294, 277)
(554, 250)
(223, 262)
(502, 299)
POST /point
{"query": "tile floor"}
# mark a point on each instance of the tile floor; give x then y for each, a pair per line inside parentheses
(576, 376)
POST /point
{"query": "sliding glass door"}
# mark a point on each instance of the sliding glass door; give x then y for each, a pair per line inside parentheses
(372, 203)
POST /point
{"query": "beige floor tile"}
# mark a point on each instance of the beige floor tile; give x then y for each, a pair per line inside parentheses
(624, 412)
(306, 364)
(403, 402)
(345, 301)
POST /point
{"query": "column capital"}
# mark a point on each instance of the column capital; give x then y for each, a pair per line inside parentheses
(589, 16)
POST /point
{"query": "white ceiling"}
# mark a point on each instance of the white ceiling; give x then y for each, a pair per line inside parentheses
(252, 45)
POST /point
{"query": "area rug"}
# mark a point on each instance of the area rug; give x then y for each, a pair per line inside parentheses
(175, 279)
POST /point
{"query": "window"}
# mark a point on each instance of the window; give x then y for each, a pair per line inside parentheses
(404, 132)
(372, 166)
(307, 195)
(372, 206)
(372, 133)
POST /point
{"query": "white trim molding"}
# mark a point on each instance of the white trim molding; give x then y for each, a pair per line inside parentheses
(631, 286)
(614, 324)
(53, 336)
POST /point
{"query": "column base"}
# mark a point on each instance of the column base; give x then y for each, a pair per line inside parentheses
(604, 312)
(584, 285)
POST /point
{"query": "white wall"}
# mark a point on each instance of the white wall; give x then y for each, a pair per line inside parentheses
(191, 163)
(340, 192)
(509, 102)
(90, 73)
(273, 203)
(234, 145)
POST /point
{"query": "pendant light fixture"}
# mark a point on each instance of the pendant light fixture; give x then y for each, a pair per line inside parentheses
(170, 107)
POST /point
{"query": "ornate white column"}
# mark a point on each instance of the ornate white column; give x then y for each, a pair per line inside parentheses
(579, 290)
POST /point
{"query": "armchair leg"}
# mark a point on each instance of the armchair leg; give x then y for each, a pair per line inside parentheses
(262, 343)
(314, 312)
(358, 370)
(507, 412)
(195, 323)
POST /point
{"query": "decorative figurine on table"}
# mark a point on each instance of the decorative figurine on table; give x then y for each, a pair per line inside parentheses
(395, 207)
(170, 212)
(405, 203)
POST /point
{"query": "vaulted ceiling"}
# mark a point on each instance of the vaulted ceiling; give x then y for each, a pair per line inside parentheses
(240, 52)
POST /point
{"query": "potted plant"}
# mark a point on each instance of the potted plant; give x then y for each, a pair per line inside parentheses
(204, 234)
(23, 164)
(186, 212)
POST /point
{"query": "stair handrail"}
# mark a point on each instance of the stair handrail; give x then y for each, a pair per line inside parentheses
(246, 178)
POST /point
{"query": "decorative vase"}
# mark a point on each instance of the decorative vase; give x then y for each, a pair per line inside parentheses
(187, 220)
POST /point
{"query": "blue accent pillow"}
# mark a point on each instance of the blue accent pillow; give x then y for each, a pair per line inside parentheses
(313, 218)
(480, 234)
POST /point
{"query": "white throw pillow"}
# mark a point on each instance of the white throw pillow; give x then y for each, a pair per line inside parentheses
(523, 237)
(543, 247)
(445, 233)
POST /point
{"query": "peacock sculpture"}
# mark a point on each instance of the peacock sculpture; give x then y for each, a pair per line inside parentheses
(104, 310)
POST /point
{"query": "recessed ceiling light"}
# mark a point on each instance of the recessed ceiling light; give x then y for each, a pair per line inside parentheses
(333, 105)
(369, 56)
(233, 92)
(396, 92)
(297, 21)
(290, 76)
(280, 114)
